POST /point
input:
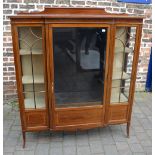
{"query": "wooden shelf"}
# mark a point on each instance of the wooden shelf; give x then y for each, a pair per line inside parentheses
(29, 103)
(28, 79)
(28, 52)
(115, 98)
(120, 50)
(117, 75)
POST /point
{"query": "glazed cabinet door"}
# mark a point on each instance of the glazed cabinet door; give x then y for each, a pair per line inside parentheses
(79, 53)
(31, 76)
(124, 66)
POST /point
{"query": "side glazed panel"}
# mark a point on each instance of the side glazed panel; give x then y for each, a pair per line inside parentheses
(122, 64)
(32, 65)
(124, 51)
(31, 59)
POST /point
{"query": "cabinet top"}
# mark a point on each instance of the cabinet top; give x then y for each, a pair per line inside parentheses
(73, 13)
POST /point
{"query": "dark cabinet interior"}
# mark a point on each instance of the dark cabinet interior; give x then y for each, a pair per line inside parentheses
(79, 58)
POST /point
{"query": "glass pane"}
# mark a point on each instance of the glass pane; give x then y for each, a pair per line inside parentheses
(34, 101)
(79, 59)
(31, 56)
(119, 93)
(122, 66)
(34, 95)
(30, 40)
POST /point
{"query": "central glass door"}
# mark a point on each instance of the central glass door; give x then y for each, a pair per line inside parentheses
(79, 65)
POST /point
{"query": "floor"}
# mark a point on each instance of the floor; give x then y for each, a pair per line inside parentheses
(110, 140)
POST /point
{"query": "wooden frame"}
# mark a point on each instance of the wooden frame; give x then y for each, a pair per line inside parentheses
(74, 118)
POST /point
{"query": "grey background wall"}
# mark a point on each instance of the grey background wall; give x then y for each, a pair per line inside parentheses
(11, 7)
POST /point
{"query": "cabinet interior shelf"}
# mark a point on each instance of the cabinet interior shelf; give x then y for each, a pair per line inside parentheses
(117, 75)
(29, 102)
(28, 79)
(115, 98)
(37, 92)
(126, 50)
(28, 51)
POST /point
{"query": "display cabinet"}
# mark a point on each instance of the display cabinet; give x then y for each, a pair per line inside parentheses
(75, 68)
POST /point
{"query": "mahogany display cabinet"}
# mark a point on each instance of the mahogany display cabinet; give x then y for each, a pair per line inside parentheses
(75, 68)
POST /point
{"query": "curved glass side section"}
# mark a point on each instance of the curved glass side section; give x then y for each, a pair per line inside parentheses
(122, 65)
(31, 56)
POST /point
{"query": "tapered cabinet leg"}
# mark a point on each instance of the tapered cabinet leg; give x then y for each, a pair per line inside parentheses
(24, 139)
(128, 129)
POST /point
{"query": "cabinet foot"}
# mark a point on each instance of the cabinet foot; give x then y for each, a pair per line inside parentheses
(24, 138)
(128, 129)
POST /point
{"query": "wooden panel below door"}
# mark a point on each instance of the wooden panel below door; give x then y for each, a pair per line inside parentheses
(78, 116)
(36, 119)
(117, 113)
